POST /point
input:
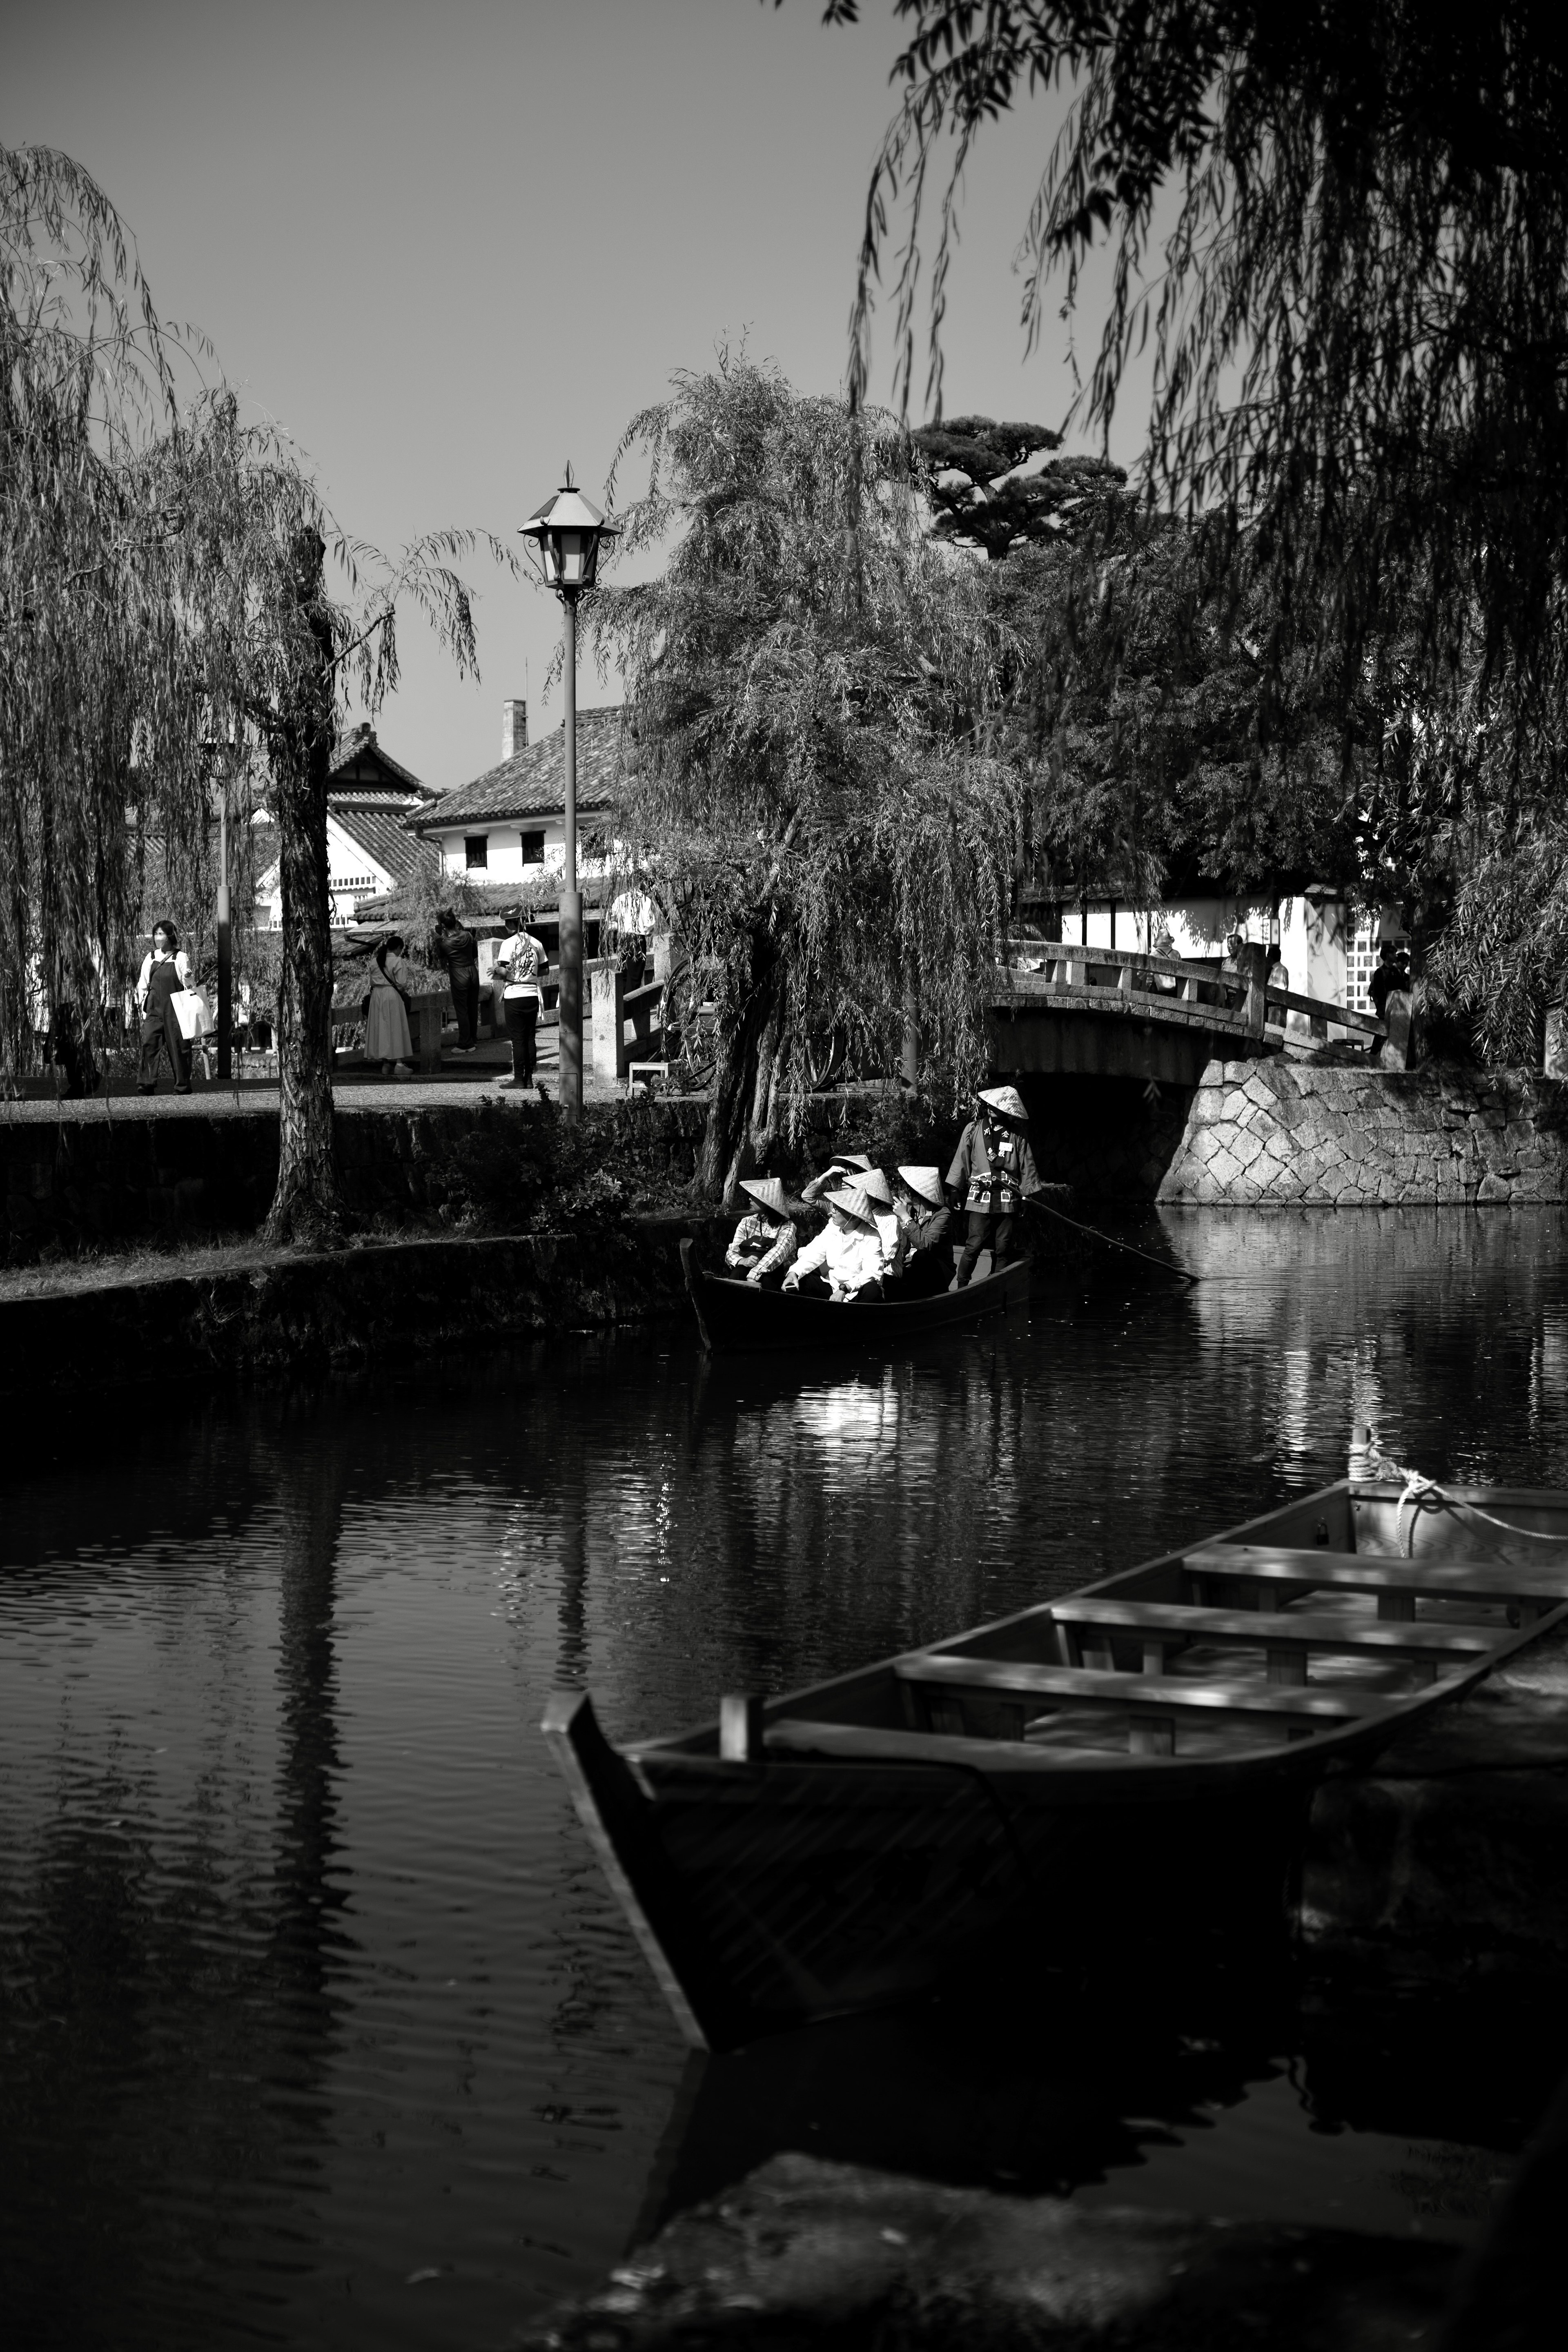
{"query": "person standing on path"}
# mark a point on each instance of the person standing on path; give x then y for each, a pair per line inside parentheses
(994, 1171)
(386, 1034)
(520, 967)
(456, 949)
(164, 974)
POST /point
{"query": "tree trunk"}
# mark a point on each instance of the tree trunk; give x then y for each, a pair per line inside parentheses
(308, 1205)
(742, 1114)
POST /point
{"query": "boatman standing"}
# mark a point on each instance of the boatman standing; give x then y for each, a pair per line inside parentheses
(993, 1170)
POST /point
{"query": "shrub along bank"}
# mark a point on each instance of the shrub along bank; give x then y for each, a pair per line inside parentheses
(100, 1180)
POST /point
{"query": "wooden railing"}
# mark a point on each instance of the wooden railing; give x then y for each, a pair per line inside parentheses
(1240, 999)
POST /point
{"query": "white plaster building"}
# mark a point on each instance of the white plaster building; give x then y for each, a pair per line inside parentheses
(509, 826)
(370, 849)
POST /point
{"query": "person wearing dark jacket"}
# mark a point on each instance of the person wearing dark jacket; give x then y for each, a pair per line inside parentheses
(993, 1170)
(1389, 977)
(924, 1265)
(457, 949)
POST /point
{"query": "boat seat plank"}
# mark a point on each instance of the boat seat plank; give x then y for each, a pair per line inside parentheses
(857, 1743)
(1296, 1629)
(1158, 1694)
(1276, 1567)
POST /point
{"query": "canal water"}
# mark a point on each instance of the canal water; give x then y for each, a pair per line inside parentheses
(317, 2020)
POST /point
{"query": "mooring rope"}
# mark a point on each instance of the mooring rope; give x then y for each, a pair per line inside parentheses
(1420, 1491)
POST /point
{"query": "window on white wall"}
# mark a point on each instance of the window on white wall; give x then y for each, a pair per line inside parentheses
(477, 850)
(532, 848)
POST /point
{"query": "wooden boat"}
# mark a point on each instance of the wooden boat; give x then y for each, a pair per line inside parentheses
(1130, 1765)
(735, 1316)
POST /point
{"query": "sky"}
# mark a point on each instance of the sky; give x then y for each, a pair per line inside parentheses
(449, 248)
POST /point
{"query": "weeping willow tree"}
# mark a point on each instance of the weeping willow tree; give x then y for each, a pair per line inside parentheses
(815, 796)
(263, 643)
(86, 376)
(166, 623)
(1340, 234)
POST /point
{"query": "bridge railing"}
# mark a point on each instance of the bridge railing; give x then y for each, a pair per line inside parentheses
(1241, 1000)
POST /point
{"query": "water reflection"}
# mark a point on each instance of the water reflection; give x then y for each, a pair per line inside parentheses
(317, 2022)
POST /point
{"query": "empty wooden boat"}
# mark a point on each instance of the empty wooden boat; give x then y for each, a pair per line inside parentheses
(1119, 1768)
(735, 1316)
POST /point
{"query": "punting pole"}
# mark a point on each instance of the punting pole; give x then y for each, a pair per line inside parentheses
(1163, 1264)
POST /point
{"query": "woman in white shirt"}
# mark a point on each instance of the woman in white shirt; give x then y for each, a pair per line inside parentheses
(845, 1260)
(164, 974)
(520, 966)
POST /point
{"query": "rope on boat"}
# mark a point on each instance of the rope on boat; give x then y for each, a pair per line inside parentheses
(1164, 1265)
(1421, 1492)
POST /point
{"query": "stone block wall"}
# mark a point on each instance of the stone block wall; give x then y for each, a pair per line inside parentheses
(1283, 1132)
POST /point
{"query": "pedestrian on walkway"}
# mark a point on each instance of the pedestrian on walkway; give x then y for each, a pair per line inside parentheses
(166, 974)
(386, 1034)
(518, 971)
(458, 951)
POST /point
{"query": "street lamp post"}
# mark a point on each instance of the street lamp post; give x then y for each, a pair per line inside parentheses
(567, 533)
(221, 753)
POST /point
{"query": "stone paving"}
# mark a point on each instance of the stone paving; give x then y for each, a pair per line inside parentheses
(484, 1074)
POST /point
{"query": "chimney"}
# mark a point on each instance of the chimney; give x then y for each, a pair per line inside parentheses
(513, 729)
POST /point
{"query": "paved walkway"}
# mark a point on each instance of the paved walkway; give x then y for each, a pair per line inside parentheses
(482, 1076)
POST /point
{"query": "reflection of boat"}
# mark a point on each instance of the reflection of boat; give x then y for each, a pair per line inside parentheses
(736, 1315)
(1133, 1761)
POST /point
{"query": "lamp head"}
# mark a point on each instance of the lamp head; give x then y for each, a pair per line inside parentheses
(567, 533)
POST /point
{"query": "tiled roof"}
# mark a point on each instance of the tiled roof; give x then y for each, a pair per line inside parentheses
(383, 836)
(362, 765)
(534, 783)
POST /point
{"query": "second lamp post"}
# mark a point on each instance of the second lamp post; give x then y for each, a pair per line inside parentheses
(567, 533)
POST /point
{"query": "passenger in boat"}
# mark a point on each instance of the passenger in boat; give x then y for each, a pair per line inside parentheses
(765, 1241)
(889, 1224)
(923, 1266)
(844, 1168)
(845, 1260)
(994, 1171)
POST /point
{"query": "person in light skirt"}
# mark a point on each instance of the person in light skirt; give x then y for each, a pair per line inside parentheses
(386, 1035)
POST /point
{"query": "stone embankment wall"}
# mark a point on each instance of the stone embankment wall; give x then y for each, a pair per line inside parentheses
(1286, 1133)
(287, 1312)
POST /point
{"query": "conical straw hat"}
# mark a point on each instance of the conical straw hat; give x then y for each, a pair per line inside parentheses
(857, 1160)
(926, 1182)
(853, 1203)
(876, 1187)
(1006, 1102)
(769, 1193)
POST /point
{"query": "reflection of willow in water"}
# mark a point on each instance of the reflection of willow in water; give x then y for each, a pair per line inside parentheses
(171, 1919)
(307, 1899)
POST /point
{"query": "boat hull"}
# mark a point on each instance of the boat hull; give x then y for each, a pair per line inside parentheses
(797, 1890)
(738, 1317)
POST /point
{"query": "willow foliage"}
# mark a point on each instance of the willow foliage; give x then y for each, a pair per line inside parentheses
(1341, 230)
(815, 796)
(166, 624)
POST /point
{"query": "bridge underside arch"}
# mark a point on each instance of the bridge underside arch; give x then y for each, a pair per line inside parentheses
(1042, 1042)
